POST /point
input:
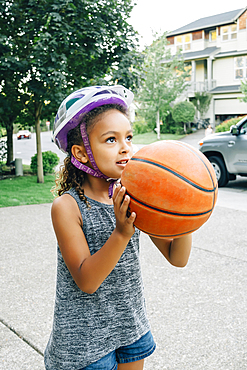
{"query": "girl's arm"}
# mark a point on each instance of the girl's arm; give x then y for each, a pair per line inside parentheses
(176, 251)
(89, 271)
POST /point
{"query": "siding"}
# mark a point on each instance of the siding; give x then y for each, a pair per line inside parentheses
(197, 35)
(200, 70)
(242, 21)
(223, 71)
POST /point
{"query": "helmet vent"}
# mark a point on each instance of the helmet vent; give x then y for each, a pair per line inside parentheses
(102, 92)
(73, 101)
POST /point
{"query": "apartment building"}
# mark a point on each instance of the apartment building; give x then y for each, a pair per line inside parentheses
(215, 51)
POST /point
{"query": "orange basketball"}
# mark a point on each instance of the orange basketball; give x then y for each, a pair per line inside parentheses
(173, 188)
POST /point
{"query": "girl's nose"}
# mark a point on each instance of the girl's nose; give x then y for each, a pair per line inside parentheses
(125, 147)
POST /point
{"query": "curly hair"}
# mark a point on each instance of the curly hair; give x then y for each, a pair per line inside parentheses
(69, 176)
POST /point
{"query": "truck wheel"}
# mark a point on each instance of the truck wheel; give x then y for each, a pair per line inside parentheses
(220, 170)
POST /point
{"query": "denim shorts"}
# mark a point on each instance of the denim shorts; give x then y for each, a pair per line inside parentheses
(142, 348)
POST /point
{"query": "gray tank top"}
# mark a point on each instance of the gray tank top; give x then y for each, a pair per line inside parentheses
(86, 327)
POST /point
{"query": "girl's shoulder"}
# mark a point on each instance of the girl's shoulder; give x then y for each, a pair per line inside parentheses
(65, 207)
(64, 200)
(69, 199)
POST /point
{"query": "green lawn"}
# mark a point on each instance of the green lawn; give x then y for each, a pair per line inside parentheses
(151, 137)
(24, 190)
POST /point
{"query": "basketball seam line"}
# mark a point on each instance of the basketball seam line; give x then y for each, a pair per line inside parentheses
(194, 152)
(174, 173)
(169, 235)
(169, 212)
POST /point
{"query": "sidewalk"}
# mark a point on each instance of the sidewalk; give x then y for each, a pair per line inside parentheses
(198, 314)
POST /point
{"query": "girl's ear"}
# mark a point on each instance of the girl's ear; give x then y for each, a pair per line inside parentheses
(79, 152)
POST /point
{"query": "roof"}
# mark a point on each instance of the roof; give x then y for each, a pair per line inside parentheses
(205, 53)
(212, 51)
(208, 22)
(230, 53)
(225, 89)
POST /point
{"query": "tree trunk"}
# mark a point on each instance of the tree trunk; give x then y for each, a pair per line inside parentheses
(185, 128)
(158, 125)
(10, 155)
(40, 174)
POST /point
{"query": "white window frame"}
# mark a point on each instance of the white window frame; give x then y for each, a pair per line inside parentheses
(210, 35)
(244, 68)
(229, 33)
(182, 45)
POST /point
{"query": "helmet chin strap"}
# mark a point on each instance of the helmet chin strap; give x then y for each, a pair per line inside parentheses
(91, 171)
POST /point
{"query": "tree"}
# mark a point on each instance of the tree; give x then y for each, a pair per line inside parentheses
(202, 101)
(10, 103)
(183, 112)
(129, 71)
(164, 81)
(9, 110)
(58, 45)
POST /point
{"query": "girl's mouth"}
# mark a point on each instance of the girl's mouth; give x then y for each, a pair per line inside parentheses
(124, 161)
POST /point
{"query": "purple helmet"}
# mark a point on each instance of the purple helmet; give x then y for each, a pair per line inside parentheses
(79, 103)
(75, 107)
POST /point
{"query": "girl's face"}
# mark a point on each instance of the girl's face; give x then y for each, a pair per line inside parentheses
(111, 143)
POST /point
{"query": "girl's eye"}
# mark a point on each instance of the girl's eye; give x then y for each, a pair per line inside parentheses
(111, 139)
(129, 138)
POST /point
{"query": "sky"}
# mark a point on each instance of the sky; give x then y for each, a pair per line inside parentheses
(161, 15)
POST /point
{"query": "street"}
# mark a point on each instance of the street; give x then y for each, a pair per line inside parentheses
(26, 148)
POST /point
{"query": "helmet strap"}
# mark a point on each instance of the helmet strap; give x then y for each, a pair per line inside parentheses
(88, 148)
(91, 171)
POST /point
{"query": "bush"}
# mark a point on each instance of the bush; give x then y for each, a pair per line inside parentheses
(50, 160)
(168, 122)
(176, 130)
(183, 112)
(140, 126)
(226, 125)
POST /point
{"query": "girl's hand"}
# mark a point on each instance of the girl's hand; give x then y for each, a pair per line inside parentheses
(124, 224)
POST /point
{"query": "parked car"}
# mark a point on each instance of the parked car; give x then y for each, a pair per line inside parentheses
(24, 134)
(227, 152)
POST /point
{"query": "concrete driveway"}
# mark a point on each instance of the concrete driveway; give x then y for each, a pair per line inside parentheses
(198, 314)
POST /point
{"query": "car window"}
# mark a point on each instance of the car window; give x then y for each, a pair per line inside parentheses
(244, 128)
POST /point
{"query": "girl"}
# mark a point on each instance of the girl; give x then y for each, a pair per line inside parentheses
(100, 318)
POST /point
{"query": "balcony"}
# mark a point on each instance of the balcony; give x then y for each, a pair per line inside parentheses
(199, 86)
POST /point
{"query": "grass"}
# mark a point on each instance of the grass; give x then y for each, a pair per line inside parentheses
(151, 137)
(24, 190)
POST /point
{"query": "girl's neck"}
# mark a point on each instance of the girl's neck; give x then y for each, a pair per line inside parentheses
(97, 189)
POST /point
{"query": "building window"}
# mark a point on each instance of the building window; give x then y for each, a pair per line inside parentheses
(183, 42)
(187, 42)
(229, 32)
(179, 43)
(212, 35)
(240, 68)
(188, 69)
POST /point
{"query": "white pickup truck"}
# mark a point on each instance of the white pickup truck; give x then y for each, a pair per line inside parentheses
(227, 152)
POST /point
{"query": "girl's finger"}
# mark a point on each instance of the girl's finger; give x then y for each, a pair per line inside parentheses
(131, 218)
(116, 191)
(119, 196)
(125, 205)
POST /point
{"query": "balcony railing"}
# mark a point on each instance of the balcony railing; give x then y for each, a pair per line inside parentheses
(200, 86)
